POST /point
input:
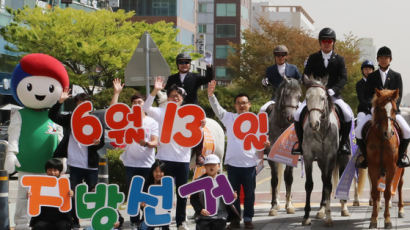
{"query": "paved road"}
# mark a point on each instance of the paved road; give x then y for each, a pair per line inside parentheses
(359, 218)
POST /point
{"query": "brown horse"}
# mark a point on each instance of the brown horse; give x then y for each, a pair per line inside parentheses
(382, 150)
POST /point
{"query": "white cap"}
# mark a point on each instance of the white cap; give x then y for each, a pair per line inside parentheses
(212, 159)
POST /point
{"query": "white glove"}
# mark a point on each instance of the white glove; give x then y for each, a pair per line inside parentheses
(331, 92)
(265, 81)
(11, 162)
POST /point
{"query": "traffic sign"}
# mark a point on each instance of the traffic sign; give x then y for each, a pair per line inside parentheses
(146, 64)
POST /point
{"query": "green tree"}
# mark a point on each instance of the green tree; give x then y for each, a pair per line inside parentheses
(94, 46)
(251, 58)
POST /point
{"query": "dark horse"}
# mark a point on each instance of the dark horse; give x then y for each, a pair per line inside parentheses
(382, 151)
(280, 118)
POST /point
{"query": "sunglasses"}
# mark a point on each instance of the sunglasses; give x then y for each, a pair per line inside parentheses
(184, 62)
(281, 54)
(328, 41)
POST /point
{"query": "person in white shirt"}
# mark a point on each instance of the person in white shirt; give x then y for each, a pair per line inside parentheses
(175, 157)
(240, 164)
(139, 157)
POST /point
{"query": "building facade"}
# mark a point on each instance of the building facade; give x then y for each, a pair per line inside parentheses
(367, 49)
(180, 12)
(231, 17)
(292, 16)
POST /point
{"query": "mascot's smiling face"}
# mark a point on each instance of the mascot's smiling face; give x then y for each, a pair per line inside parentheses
(39, 92)
(38, 81)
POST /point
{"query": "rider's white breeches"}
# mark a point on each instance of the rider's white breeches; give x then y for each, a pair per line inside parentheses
(266, 105)
(347, 111)
(362, 119)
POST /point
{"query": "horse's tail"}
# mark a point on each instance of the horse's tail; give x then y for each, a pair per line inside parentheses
(361, 180)
(335, 178)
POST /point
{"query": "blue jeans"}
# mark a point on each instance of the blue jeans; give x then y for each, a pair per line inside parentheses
(180, 172)
(77, 175)
(134, 171)
(246, 177)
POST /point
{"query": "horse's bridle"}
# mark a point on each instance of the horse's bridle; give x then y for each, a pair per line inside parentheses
(322, 111)
(285, 105)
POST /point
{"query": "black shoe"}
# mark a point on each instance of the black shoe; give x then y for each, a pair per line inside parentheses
(361, 162)
(344, 147)
(297, 150)
(234, 225)
(403, 161)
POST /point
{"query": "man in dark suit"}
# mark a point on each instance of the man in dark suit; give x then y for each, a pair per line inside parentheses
(385, 78)
(190, 82)
(275, 73)
(326, 63)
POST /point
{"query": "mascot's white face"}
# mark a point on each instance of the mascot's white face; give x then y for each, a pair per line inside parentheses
(38, 92)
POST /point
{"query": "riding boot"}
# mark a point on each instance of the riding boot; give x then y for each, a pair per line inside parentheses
(299, 134)
(361, 161)
(344, 146)
(403, 160)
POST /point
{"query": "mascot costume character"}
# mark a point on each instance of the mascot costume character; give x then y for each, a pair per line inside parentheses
(37, 83)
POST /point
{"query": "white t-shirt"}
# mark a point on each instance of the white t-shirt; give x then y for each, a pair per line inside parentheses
(139, 156)
(235, 154)
(77, 154)
(171, 151)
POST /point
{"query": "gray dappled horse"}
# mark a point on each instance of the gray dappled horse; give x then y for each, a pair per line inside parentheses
(321, 142)
(280, 118)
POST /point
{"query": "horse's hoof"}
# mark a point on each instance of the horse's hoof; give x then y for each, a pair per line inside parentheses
(356, 203)
(306, 222)
(345, 213)
(290, 210)
(320, 215)
(373, 225)
(273, 212)
(388, 225)
(329, 223)
(401, 214)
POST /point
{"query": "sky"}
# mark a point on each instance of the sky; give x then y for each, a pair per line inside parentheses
(387, 22)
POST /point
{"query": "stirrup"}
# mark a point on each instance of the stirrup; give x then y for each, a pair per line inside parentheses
(297, 151)
(403, 161)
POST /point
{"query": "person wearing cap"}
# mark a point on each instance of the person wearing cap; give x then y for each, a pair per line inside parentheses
(275, 73)
(189, 81)
(240, 164)
(203, 219)
(363, 107)
(384, 78)
(327, 64)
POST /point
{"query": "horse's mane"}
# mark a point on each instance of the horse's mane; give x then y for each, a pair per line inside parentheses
(293, 85)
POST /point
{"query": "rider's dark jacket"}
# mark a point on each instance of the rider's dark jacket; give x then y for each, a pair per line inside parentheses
(274, 77)
(191, 84)
(374, 80)
(335, 70)
(360, 91)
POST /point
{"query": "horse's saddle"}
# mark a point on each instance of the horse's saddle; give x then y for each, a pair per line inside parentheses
(366, 128)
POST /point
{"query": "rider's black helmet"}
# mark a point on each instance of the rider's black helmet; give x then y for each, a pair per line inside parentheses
(367, 63)
(384, 51)
(183, 56)
(327, 33)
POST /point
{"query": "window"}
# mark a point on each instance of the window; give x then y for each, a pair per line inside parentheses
(202, 8)
(225, 30)
(222, 51)
(163, 8)
(201, 28)
(220, 71)
(226, 9)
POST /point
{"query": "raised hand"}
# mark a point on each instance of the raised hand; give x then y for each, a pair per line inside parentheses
(64, 95)
(117, 85)
(211, 88)
(159, 83)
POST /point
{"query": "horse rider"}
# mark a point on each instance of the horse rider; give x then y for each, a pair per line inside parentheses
(275, 73)
(383, 78)
(190, 82)
(326, 63)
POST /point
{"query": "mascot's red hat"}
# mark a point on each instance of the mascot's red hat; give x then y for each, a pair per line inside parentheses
(38, 64)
